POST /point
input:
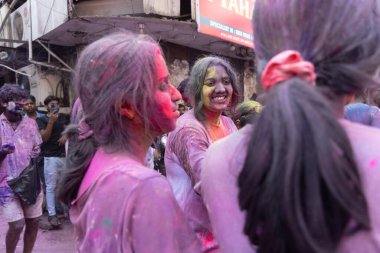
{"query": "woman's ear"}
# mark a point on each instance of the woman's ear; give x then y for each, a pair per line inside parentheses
(127, 110)
(350, 99)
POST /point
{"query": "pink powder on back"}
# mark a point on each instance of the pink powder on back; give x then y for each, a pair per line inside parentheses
(373, 163)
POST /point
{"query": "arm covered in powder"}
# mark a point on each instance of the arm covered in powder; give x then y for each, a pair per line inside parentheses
(158, 224)
(189, 144)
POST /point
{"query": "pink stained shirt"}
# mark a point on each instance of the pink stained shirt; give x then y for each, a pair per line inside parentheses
(225, 159)
(25, 137)
(124, 207)
(185, 150)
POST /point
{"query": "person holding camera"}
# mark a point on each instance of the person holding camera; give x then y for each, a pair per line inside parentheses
(53, 149)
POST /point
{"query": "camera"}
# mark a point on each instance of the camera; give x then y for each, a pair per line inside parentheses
(54, 108)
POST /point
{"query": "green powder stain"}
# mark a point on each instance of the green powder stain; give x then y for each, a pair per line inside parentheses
(107, 223)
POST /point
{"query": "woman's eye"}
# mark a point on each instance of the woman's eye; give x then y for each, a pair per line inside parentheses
(164, 87)
(209, 83)
(226, 81)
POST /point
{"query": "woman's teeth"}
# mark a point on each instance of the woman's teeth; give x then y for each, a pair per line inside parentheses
(219, 98)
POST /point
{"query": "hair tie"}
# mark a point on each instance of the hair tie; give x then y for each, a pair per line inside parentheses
(285, 65)
(85, 130)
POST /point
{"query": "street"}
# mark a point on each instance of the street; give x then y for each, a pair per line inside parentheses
(48, 241)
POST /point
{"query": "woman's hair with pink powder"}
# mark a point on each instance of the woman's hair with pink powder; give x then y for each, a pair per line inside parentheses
(115, 70)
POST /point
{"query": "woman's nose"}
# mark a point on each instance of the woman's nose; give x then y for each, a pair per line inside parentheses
(219, 87)
(175, 95)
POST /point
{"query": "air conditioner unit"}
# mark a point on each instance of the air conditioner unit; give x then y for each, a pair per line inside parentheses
(46, 16)
(6, 32)
(20, 24)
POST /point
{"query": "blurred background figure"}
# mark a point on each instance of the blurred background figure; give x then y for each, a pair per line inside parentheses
(187, 97)
(51, 128)
(362, 113)
(30, 108)
(247, 113)
(181, 109)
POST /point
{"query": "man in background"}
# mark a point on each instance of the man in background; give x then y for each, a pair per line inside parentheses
(51, 127)
(19, 142)
(30, 108)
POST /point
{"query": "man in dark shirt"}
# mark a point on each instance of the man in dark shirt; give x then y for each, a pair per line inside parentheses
(53, 149)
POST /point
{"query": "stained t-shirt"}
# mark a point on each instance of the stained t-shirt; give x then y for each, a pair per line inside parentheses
(25, 137)
(225, 159)
(51, 148)
(184, 153)
(124, 207)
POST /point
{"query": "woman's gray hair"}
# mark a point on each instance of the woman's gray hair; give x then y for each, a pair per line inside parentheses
(197, 77)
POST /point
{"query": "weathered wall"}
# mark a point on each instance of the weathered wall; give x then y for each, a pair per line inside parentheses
(108, 7)
(180, 59)
(163, 7)
(250, 80)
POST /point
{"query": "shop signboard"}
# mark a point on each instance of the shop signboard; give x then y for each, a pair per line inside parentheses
(226, 19)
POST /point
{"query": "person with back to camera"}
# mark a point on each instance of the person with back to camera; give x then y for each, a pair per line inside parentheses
(214, 87)
(117, 204)
(306, 180)
(19, 142)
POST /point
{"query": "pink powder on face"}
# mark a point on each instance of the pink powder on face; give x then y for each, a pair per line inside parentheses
(165, 114)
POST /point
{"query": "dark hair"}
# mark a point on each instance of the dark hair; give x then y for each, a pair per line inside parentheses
(181, 106)
(31, 97)
(300, 185)
(183, 86)
(117, 69)
(197, 77)
(9, 92)
(50, 98)
(248, 112)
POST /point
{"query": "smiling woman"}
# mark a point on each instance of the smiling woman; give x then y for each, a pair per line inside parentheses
(213, 85)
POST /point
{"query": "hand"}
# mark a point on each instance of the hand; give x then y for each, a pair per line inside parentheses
(62, 140)
(35, 151)
(7, 149)
(53, 117)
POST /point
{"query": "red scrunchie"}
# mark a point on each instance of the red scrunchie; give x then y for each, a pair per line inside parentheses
(285, 65)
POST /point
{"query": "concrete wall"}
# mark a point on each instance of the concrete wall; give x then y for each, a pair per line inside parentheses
(170, 8)
(106, 8)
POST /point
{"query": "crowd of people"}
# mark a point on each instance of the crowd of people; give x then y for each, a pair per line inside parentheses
(296, 171)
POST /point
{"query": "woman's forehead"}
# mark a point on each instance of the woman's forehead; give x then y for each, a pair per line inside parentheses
(162, 69)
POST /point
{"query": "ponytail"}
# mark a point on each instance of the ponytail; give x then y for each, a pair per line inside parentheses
(300, 185)
(80, 154)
